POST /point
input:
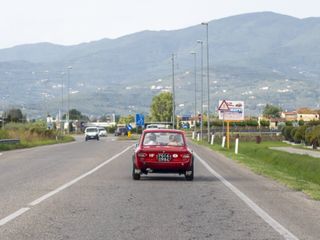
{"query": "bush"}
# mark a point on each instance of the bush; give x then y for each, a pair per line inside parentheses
(300, 134)
(217, 123)
(286, 132)
(111, 129)
(292, 133)
(4, 134)
(314, 123)
(264, 123)
(252, 123)
(312, 134)
(288, 123)
(301, 122)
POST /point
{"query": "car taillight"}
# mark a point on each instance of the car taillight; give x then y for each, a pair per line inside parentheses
(142, 155)
(186, 156)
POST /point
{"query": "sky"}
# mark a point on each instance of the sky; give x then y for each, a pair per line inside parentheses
(69, 22)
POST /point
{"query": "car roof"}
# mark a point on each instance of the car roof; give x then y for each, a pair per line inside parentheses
(163, 130)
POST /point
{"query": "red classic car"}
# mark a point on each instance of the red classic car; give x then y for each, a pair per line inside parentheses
(162, 151)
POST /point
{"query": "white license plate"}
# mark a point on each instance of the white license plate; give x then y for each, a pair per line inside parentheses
(164, 157)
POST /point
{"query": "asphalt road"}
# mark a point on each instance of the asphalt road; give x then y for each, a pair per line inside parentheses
(84, 190)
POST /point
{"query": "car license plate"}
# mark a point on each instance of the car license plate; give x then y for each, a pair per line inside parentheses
(164, 157)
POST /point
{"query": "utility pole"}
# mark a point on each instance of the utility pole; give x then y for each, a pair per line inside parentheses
(201, 79)
(173, 95)
(195, 89)
(208, 81)
(68, 103)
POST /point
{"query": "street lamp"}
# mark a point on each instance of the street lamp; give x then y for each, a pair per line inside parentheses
(201, 79)
(208, 82)
(61, 113)
(68, 103)
(173, 95)
(195, 89)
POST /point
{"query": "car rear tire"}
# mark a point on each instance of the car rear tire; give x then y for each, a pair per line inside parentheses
(190, 177)
(135, 176)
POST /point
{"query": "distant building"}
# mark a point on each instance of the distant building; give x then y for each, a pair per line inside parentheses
(300, 115)
(289, 116)
(308, 117)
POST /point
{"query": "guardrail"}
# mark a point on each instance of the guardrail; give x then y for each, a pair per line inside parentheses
(9, 141)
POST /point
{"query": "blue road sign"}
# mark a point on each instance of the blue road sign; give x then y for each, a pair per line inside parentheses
(129, 127)
(139, 119)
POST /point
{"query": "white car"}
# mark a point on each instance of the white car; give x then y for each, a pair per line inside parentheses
(91, 133)
(102, 132)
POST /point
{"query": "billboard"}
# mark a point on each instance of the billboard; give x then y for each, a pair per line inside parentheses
(231, 110)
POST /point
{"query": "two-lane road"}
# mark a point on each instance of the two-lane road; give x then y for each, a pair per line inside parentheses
(84, 190)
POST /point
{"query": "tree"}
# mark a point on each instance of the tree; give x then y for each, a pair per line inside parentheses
(271, 111)
(161, 107)
(15, 115)
(126, 119)
(74, 114)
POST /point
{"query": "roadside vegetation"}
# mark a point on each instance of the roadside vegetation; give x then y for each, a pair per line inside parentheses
(308, 133)
(31, 135)
(299, 172)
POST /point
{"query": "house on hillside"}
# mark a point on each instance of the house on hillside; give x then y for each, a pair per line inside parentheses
(298, 115)
(289, 116)
(307, 117)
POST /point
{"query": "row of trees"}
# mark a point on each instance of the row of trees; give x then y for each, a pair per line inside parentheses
(308, 133)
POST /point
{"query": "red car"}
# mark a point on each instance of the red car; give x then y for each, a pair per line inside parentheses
(162, 151)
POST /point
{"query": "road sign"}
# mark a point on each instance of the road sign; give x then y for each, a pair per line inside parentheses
(231, 110)
(139, 119)
(129, 127)
(223, 106)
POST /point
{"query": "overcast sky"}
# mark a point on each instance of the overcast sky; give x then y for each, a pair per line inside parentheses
(74, 21)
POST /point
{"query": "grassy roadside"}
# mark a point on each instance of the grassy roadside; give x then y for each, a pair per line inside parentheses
(299, 172)
(134, 137)
(31, 135)
(35, 143)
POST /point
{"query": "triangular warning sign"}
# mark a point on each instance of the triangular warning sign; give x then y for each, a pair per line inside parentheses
(223, 106)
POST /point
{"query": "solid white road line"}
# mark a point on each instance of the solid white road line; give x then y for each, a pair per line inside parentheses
(59, 189)
(12, 216)
(259, 211)
(21, 211)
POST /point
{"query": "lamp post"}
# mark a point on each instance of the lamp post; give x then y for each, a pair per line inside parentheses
(201, 79)
(68, 103)
(195, 89)
(208, 82)
(173, 95)
(61, 113)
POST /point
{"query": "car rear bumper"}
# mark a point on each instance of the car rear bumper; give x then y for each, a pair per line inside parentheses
(166, 167)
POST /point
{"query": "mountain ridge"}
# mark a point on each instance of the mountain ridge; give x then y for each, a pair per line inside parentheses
(246, 51)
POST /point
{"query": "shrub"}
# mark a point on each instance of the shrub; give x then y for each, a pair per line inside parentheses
(314, 123)
(264, 123)
(292, 133)
(312, 133)
(299, 135)
(252, 123)
(4, 134)
(286, 132)
(288, 123)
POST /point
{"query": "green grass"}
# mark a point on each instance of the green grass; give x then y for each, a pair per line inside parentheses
(35, 143)
(299, 172)
(132, 137)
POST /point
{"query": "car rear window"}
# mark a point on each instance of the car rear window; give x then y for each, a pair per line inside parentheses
(163, 139)
(91, 130)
